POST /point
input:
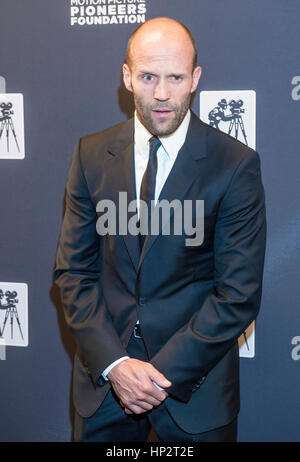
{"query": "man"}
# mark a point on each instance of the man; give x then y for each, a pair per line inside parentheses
(156, 321)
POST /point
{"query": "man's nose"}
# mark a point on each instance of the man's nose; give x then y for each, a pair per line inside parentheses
(161, 91)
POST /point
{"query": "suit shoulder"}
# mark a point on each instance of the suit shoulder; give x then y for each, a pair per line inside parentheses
(226, 145)
(102, 138)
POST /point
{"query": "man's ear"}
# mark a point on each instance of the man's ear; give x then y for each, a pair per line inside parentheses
(127, 77)
(196, 77)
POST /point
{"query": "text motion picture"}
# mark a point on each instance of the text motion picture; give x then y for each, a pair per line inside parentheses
(108, 14)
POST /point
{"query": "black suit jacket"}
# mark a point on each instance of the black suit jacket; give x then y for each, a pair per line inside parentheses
(192, 302)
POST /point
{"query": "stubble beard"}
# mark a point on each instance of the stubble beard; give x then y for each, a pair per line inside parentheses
(163, 127)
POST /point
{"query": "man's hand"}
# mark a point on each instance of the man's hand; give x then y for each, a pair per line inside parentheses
(132, 380)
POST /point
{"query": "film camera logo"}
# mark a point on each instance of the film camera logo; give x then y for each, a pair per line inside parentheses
(11, 126)
(14, 314)
(233, 112)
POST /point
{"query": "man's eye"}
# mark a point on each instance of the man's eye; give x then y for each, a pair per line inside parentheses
(148, 77)
(176, 78)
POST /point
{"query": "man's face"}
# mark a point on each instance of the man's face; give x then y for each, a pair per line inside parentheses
(162, 79)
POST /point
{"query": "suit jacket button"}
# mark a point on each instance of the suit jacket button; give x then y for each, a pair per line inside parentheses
(142, 300)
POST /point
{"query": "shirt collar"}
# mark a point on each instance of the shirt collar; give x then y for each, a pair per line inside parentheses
(171, 143)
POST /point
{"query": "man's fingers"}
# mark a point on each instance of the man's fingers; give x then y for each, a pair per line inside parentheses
(151, 394)
(159, 378)
(128, 411)
(134, 409)
(148, 399)
(146, 396)
(142, 401)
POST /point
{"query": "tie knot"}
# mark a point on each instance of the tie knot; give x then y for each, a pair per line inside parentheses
(154, 144)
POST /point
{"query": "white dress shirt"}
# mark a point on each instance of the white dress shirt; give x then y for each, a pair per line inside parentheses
(166, 156)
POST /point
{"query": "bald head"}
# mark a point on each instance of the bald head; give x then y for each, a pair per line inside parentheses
(156, 31)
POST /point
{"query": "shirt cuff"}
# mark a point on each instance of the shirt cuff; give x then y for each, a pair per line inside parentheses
(109, 368)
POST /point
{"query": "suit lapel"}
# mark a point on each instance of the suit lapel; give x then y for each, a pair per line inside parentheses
(123, 180)
(185, 171)
(132, 242)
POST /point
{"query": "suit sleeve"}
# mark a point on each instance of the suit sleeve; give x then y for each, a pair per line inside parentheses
(239, 250)
(77, 272)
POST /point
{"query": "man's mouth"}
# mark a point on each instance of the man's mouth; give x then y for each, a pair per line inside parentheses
(161, 112)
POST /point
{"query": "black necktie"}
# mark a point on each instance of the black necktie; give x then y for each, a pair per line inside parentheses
(148, 187)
